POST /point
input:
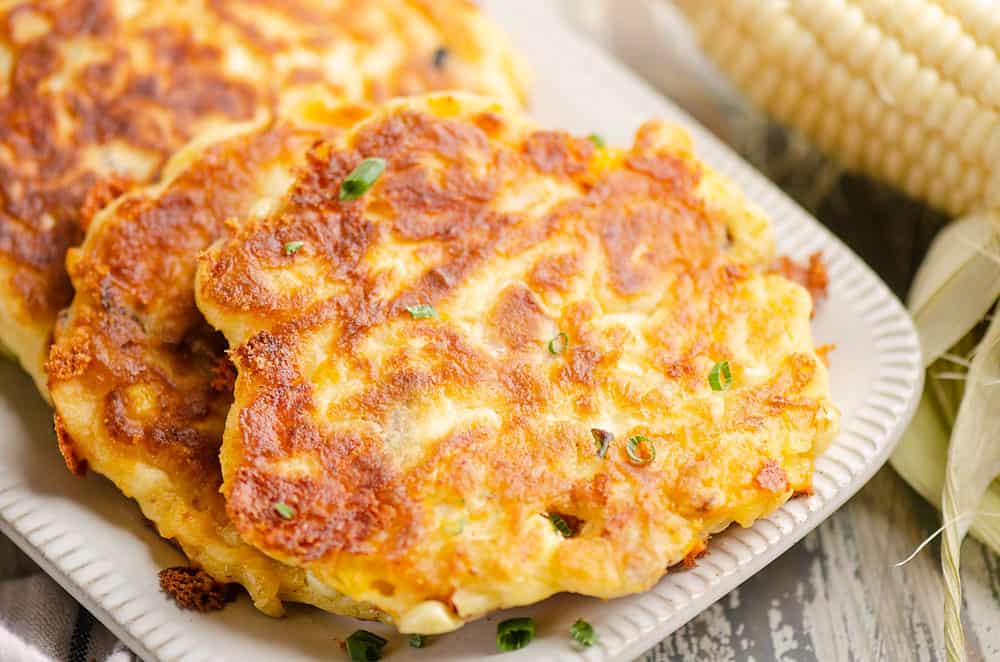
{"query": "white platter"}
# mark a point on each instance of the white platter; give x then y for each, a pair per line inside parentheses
(94, 542)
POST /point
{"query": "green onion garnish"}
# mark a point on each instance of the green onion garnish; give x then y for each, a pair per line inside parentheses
(361, 178)
(421, 311)
(283, 509)
(418, 640)
(603, 439)
(558, 344)
(560, 525)
(454, 527)
(440, 57)
(583, 632)
(515, 633)
(293, 246)
(632, 448)
(720, 378)
(597, 140)
(364, 646)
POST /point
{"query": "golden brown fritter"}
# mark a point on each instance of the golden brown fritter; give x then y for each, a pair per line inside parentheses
(94, 89)
(443, 462)
(141, 385)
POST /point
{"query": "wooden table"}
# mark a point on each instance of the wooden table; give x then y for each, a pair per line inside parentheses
(836, 595)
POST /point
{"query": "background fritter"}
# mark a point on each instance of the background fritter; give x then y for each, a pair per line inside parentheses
(96, 89)
(416, 462)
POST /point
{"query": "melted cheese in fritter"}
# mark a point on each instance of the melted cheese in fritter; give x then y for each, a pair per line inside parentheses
(91, 89)
(420, 457)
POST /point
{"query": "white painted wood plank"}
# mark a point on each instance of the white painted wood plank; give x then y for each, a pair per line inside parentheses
(837, 595)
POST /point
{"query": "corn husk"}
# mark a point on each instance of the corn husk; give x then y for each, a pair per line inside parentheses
(958, 283)
(951, 451)
(921, 461)
(973, 463)
(954, 291)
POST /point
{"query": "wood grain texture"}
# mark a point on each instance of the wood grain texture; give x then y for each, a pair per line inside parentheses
(836, 595)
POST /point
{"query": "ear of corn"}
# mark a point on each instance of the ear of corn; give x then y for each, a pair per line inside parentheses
(907, 91)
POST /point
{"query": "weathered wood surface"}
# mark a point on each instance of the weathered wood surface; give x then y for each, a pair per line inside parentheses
(837, 594)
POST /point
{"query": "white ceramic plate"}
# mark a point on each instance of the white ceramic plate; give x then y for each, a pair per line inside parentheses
(94, 542)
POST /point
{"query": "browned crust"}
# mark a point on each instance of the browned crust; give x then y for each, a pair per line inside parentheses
(691, 560)
(76, 464)
(194, 589)
(100, 196)
(181, 86)
(43, 188)
(134, 324)
(811, 275)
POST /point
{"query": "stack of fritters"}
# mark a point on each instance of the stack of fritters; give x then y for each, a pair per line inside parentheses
(108, 89)
(491, 373)
(95, 97)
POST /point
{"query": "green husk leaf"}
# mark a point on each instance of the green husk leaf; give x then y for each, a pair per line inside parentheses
(921, 457)
(973, 463)
(951, 451)
(957, 284)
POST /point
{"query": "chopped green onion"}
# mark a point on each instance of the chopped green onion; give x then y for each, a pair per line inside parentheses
(454, 527)
(597, 140)
(603, 439)
(283, 509)
(558, 344)
(515, 633)
(365, 646)
(720, 378)
(583, 632)
(293, 246)
(440, 57)
(560, 525)
(421, 311)
(361, 178)
(632, 448)
(418, 640)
